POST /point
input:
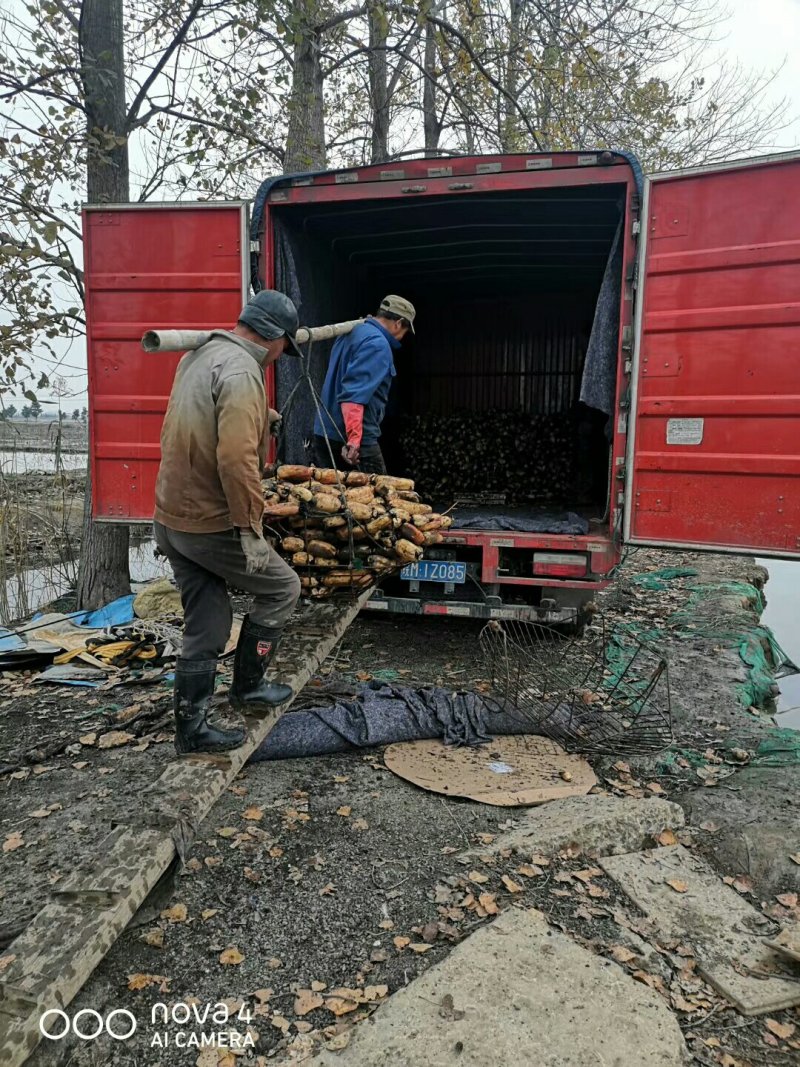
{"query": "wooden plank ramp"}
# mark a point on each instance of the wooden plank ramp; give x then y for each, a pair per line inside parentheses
(62, 945)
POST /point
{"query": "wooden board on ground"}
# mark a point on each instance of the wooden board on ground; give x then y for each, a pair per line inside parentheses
(507, 771)
(56, 953)
(684, 898)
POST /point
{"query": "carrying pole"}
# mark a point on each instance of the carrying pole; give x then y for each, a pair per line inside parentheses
(186, 340)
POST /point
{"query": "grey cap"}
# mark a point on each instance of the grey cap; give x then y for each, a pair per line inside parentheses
(398, 305)
(272, 315)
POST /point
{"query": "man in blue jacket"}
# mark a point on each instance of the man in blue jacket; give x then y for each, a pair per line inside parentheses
(357, 387)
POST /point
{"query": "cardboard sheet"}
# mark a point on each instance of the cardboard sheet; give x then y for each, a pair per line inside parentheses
(508, 771)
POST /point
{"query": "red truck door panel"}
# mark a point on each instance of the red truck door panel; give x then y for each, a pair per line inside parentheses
(181, 266)
(714, 439)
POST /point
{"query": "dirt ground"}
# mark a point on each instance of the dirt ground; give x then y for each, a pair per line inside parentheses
(307, 871)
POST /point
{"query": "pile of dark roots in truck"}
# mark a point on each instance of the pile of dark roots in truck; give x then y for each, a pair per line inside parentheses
(521, 457)
(342, 531)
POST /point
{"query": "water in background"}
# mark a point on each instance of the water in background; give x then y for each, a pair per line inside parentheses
(34, 588)
(14, 462)
(783, 618)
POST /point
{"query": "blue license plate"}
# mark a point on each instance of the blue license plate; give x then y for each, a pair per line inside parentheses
(434, 570)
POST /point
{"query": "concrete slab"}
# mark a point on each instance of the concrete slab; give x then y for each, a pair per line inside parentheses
(606, 825)
(787, 943)
(518, 992)
(705, 913)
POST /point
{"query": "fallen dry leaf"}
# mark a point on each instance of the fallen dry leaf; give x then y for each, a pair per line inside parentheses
(743, 884)
(419, 947)
(709, 827)
(212, 861)
(341, 778)
(511, 885)
(360, 824)
(654, 788)
(345, 810)
(209, 913)
(274, 963)
(251, 875)
(40, 813)
(528, 870)
(340, 1005)
(231, 957)
(587, 875)
(795, 858)
(401, 942)
(144, 981)
(317, 987)
(338, 1041)
(12, 841)
(80, 765)
(276, 852)
(622, 954)
(115, 738)
(386, 924)
(280, 1023)
(538, 860)
(484, 839)
(788, 900)
(782, 1030)
(476, 876)
(176, 914)
(154, 938)
(253, 814)
(677, 885)
(667, 837)
(6, 961)
(488, 902)
(327, 890)
(88, 739)
(375, 992)
(307, 1000)
(597, 891)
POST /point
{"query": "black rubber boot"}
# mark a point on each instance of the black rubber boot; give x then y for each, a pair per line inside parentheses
(194, 687)
(254, 653)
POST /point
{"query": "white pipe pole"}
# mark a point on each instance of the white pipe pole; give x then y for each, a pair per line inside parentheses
(186, 340)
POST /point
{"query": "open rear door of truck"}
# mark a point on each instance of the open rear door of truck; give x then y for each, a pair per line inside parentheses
(714, 438)
(149, 266)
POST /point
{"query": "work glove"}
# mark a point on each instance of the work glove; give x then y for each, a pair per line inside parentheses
(256, 551)
(275, 422)
(353, 415)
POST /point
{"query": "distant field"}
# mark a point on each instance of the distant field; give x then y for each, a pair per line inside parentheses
(36, 435)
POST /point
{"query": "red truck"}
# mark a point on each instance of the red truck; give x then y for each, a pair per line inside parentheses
(523, 268)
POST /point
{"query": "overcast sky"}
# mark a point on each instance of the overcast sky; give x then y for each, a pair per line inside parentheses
(760, 34)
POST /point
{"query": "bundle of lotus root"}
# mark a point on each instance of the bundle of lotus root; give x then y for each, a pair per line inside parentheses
(342, 531)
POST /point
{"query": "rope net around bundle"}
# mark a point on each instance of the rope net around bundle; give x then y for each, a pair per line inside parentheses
(595, 694)
(342, 531)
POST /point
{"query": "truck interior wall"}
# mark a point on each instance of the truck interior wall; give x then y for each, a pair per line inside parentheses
(506, 289)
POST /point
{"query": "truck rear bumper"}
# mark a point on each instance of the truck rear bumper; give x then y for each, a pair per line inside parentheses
(465, 609)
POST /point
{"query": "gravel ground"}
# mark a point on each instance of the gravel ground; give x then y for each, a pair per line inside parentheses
(309, 869)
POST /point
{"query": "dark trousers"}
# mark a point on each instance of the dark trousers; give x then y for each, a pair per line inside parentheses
(371, 459)
(204, 565)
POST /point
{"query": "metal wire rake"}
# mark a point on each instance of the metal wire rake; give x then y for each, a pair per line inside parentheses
(598, 693)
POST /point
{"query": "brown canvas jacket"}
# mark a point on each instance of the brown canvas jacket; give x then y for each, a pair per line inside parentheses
(214, 439)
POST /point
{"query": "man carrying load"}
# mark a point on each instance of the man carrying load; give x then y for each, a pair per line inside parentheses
(357, 388)
(209, 517)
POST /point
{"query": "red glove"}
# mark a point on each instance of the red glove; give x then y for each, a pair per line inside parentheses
(353, 415)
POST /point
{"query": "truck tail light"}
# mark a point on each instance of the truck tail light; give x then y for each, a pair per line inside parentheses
(560, 564)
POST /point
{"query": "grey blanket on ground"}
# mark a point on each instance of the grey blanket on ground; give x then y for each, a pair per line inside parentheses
(382, 714)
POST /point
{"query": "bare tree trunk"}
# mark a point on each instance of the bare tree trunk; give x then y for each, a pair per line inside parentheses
(431, 125)
(305, 137)
(378, 87)
(509, 135)
(103, 573)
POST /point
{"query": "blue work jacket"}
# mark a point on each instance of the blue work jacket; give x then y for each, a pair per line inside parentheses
(360, 372)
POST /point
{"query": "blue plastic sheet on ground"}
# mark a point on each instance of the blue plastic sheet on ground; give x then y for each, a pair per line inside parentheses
(10, 641)
(116, 613)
